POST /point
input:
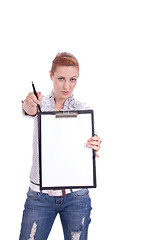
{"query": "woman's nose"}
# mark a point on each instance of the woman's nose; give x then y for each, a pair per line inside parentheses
(66, 84)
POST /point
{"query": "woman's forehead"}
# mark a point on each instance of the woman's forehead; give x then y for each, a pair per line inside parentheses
(66, 70)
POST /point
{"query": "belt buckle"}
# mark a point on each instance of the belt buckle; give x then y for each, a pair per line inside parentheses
(53, 194)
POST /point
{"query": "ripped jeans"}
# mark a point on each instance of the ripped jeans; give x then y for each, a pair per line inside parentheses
(41, 210)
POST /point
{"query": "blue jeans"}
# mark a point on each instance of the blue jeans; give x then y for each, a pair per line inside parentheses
(41, 210)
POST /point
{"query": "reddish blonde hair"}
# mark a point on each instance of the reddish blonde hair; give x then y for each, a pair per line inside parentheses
(64, 59)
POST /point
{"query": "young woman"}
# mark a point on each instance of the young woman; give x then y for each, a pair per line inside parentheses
(42, 207)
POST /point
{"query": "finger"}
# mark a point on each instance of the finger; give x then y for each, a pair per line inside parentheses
(96, 150)
(39, 96)
(96, 155)
(95, 138)
(94, 147)
(94, 143)
(30, 103)
(33, 98)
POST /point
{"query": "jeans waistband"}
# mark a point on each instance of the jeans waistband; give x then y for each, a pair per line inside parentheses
(55, 193)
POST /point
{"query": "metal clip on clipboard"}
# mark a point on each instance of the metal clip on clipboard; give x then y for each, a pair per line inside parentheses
(66, 114)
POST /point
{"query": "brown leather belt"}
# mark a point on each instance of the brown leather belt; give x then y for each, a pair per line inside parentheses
(63, 193)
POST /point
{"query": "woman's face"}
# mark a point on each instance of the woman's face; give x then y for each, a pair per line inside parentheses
(64, 81)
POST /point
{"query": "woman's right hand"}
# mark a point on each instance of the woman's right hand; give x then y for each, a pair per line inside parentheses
(30, 103)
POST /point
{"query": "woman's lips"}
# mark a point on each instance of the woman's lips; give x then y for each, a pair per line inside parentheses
(65, 92)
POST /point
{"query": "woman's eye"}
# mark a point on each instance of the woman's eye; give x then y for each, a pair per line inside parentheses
(73, 79)
(61, 78)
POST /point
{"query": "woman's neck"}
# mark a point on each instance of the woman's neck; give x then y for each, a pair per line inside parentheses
(59, 104)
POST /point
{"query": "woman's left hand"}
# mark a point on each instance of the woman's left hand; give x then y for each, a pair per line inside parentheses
(94, 143)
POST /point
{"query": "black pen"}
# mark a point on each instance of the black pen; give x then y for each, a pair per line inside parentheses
(35, 93)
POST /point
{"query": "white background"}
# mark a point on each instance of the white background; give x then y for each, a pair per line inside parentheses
(117, 44)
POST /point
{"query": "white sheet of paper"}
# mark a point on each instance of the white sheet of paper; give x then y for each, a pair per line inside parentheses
(66, 161)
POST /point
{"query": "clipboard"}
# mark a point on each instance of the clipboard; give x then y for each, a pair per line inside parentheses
(64, 160)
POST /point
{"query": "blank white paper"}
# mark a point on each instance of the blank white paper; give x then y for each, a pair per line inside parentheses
(65, 159)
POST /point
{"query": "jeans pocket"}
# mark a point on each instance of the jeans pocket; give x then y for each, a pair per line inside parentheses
(81, 193)
(33, 194)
